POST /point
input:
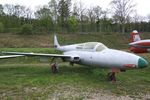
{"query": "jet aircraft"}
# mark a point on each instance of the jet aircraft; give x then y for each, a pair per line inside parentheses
(137, 45)
(94, 54)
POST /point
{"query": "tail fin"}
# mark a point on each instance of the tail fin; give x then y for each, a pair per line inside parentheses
(134, 36)
(56, 44)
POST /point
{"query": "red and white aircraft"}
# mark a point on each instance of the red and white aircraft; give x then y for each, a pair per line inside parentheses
(137, 45)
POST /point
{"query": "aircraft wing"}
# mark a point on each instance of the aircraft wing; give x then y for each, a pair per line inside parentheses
(37, 54)
(10, 56)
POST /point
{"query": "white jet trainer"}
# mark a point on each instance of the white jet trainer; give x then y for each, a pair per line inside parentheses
(94, 54)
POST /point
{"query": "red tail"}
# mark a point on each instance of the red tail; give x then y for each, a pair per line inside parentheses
(134, 36)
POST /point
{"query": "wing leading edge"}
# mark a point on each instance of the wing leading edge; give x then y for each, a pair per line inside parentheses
(37, 54)
(10, 56)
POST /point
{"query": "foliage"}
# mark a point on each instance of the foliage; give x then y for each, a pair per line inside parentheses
(1, 27)
(62, 16)
(26, 29)
(73, 24)
(122, 11)
(64, 13)
(1, 10)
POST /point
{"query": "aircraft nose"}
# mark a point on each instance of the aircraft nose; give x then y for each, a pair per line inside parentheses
(130, 44)
(142, 63)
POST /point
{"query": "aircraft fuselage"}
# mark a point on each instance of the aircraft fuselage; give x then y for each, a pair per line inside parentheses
(109, 58)
(142, 46)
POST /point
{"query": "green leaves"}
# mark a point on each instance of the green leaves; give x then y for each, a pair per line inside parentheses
(1, 27)
(26, 29)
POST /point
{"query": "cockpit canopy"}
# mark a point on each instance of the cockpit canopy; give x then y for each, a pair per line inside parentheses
(93, 46)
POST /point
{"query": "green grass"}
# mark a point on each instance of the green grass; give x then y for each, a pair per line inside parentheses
(27, 78)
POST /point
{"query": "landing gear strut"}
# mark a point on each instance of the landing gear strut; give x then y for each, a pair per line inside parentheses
(112, 77)
(54, 68)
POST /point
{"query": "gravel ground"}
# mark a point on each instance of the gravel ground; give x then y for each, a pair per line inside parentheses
(66, 93)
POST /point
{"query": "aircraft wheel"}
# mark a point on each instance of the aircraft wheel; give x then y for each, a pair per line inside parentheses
(54, 68)
(112, 77)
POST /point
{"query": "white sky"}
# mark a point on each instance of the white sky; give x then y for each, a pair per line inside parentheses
(143, 6)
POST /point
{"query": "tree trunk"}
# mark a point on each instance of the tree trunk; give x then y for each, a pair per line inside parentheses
(123, 28)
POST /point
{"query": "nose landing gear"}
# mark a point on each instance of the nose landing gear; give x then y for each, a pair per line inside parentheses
(112, 75)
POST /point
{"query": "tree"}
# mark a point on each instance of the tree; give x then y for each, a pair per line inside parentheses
(73, 23)
(45, 18)
(9, 9)
(1, 27)
(1, 10)
(81, 15)
(28, 13)
(53, 6)
(64, 8)
(122, 10)
(92, 17)
(26, 29)
(42, 12)
(148, 17)
(75, 11)
(106, 22)
(98, 13)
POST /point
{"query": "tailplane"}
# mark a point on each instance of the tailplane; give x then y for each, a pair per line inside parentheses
(56, 44)
(134, 36)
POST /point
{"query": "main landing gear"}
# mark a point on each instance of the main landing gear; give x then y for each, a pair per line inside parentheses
(54, 68)
(112, 75)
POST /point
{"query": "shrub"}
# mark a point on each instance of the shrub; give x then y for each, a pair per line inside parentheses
(26, 29)
(12, 30)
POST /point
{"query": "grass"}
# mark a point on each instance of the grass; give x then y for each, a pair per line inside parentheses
(27, 78)
(30, 77)
(37, 41)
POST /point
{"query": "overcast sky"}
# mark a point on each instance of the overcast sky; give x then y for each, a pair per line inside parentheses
(143, 6)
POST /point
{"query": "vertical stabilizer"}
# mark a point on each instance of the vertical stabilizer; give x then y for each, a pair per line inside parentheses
(56, 44)
(134, 36)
